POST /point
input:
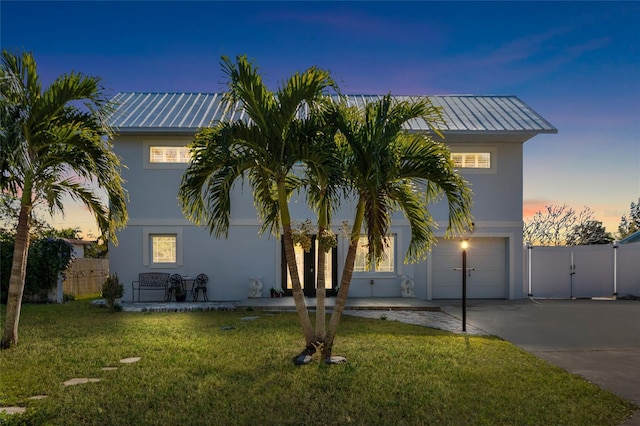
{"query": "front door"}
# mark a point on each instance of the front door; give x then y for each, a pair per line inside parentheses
(307, 270)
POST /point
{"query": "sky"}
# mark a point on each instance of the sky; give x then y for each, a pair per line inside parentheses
(575, 63)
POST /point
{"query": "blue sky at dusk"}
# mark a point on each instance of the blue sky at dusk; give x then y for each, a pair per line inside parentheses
(575, 63)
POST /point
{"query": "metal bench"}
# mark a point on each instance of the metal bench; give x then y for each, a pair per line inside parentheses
(151, 281)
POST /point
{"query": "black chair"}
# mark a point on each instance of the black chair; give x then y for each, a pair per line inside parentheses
(176, 286)
(200, 285)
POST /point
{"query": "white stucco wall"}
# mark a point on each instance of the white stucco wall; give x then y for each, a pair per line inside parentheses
(230, 262)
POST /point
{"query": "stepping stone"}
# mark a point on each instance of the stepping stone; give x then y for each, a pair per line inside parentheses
(227, 327)
(13, 410)
(130, 360)
(109, 368)
(249, 318)
(335, 360)
(80, 381)
(38, 397)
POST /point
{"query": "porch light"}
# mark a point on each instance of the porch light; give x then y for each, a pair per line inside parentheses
(464, 245)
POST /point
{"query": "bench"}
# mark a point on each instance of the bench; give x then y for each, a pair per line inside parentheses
(151, 281)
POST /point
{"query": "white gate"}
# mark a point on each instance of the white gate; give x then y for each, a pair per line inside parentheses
(583, 271)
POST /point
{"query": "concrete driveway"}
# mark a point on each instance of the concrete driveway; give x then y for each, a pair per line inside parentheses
(596, 339)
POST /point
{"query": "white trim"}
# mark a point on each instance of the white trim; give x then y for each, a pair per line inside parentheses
(442, 226)
(184, 222)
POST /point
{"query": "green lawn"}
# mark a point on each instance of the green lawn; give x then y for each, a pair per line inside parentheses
(192, 371)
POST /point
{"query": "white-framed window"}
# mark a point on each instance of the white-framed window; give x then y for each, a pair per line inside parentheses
(169, 154)
(162, 247)
(471, 160)
(387, 264)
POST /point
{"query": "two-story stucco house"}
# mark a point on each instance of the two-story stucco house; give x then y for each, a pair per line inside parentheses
(485, 134)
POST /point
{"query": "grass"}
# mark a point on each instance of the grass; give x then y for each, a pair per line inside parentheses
(194, 372)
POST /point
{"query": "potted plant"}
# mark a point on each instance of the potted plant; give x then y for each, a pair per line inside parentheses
(277, 292)
(112, 289)
(181, 294)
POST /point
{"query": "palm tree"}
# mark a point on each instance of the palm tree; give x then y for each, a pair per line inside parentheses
(54, 142)
(390, 169)
(324, 185)
(263, 150)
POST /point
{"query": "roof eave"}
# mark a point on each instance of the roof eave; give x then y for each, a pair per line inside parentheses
(188, 131)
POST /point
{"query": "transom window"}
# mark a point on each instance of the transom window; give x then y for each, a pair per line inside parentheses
(169, 154)
(388, 262)
(471, 160)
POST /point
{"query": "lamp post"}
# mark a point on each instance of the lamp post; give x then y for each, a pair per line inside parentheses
(465, 245)
(616, 243)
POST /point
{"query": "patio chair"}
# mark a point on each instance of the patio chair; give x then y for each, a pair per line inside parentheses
(200, 285)
(176, 286)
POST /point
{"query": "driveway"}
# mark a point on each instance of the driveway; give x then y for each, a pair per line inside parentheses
(596, 339)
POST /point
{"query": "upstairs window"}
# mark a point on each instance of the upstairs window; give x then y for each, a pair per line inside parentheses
(169, 154)
(471, 160)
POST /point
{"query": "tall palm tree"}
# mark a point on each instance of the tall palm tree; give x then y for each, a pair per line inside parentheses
(263, 150)
(324, 185)
(54, 143)
(391, 170)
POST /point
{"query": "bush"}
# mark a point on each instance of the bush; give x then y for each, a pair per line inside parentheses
(48, 258)
(112, 289)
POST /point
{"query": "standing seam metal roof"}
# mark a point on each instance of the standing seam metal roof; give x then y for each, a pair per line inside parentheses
(142, 112)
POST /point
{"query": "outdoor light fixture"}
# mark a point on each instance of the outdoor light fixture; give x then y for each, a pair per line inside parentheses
(464, 245)
(529, 247)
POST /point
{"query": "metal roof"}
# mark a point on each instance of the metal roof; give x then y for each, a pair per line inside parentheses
(633, 238)
(138, 112)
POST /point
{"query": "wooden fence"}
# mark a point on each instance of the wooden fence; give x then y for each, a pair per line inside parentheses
(85, 276)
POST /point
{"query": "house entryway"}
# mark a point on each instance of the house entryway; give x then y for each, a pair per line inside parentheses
(307, 269)
(486, 269)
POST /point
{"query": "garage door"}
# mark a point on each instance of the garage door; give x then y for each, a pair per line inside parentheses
(487, 278)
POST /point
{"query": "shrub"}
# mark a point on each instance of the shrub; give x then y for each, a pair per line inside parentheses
(112, 289)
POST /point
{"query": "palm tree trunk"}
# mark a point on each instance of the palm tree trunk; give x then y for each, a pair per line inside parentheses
(18, 273)
(345, 282)
(290, 258)
(298, 295)
(320, 290)
(341, 300)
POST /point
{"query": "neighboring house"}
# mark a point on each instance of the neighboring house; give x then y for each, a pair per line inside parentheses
(485, 134)
(78, 246)
(633, 238)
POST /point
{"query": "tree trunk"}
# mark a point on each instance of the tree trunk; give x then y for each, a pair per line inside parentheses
(298, 295)
(18, 273)
(345, 282)
(320, 291)
(341, 300)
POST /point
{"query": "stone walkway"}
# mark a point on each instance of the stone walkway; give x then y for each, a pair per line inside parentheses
(427, 318)
(438, 320)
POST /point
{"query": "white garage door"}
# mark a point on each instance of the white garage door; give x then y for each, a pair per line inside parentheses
(487, 280)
